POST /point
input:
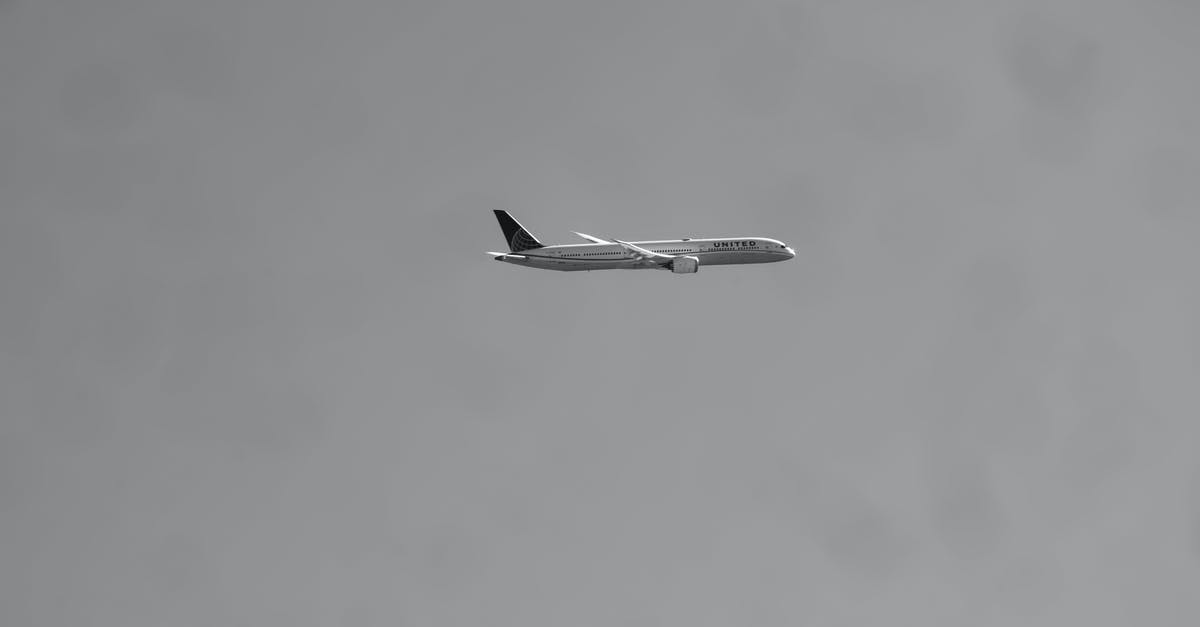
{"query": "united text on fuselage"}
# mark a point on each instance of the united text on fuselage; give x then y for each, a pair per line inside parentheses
(681, 256)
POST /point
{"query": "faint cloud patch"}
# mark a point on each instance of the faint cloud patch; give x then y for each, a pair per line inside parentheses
(178, 563)
(903, 231)
(855, 532)
(1106, 395)
(761, 69)
(888, 108)
(984, 392)
(1024, 586)
(967, 515)
(1194, 523)
(97, 99)
(199, 62)
(449, 561)
(1054, 67)
(996, 294)
(606, 156)
(1167, 182)
(240, 402)
(1058, 71)
(235, 372)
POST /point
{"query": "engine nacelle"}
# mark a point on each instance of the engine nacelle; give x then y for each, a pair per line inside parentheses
(685, 265)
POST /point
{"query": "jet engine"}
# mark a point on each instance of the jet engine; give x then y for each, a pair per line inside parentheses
(685, 265)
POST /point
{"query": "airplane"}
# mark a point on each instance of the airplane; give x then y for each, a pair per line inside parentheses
(680, 256)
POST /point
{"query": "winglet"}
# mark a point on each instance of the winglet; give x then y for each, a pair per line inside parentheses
(589, 238)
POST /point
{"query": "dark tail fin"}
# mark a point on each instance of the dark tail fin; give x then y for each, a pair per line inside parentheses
(517, 236)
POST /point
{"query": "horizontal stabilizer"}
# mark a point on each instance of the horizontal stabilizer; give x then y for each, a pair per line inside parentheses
(507, 256)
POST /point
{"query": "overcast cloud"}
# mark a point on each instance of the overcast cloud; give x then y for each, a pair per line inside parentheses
(255, 368)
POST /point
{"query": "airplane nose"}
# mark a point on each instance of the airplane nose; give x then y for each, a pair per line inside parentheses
(790, 252)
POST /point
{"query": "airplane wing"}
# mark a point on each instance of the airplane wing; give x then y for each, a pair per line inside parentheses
(589, 238)
(647, 257)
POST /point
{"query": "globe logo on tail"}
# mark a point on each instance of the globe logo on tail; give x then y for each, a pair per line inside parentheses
(522, 240)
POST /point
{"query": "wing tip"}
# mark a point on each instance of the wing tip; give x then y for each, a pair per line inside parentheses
(592, 238)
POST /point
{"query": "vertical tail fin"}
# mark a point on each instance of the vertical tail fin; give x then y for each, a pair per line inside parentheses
(518, 237)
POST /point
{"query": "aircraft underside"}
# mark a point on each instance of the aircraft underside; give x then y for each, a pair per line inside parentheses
(701, 259)
(682, 256)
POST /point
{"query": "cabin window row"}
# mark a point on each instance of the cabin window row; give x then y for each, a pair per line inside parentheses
(669, 250)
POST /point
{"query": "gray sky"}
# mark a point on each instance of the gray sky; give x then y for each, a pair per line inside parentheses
(255, 369)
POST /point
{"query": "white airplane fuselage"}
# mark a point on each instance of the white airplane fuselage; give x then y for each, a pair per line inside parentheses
(710, 252)
(680, 256)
